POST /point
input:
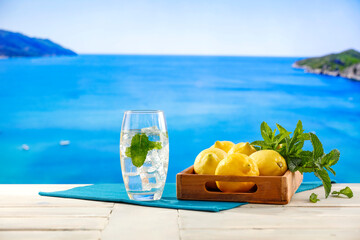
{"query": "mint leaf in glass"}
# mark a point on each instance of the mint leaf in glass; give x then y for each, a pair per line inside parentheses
(346, 191)
(139, 148)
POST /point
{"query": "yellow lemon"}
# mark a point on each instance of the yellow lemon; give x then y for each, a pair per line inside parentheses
(239, 165)
(244, 148)
(223, 145)
(270, 162)
(207, 160)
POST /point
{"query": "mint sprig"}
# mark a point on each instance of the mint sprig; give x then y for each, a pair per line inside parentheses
(345, 191)
(297, 159)
(314, 198)
(139, 148)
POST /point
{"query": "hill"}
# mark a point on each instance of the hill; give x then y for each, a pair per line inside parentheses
(18, 45)
(345, 64)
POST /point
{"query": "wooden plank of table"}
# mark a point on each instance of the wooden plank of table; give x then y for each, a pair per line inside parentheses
(50, 235)
(295, 212)
(33, 189)
(332, 218)
(297, 218)
(55, 212)
(52, 223)
(26, 195)
(23, 211)
(39, 201)
(302, 199)
(136, 222)
(270, 234)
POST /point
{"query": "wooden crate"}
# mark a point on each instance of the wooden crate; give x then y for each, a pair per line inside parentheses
(268, 189)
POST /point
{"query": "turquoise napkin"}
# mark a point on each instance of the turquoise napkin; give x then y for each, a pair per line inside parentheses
(117, 193)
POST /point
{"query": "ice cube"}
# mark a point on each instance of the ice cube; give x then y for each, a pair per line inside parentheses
(153, 133)
(129, 167)
(164, 138)
(160, 180)
(127, 136)
(146, 185)
(150, 130)
(134, 183)
(152, 161)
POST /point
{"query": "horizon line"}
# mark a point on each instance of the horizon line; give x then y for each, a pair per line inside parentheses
(191, 55)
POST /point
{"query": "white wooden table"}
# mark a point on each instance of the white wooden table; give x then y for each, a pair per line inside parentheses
(26, 215)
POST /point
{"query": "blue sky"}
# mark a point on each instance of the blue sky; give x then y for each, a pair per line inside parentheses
(228, 27)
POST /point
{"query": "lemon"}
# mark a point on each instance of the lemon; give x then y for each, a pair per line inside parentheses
(207, 160)
(223, 145)
(239, 165)
(270, 162)
(244, 148)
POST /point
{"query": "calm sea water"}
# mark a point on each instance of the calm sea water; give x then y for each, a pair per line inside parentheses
(82, 99)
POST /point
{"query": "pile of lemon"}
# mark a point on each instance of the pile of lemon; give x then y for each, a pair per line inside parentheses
(242, 159)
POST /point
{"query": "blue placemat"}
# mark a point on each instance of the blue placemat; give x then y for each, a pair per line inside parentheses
(117, 193)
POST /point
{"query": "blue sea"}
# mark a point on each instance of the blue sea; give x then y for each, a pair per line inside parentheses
(205, 98)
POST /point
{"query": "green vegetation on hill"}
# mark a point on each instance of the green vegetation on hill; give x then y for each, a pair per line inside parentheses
(332, 62)
(18, 45)
(345, 64)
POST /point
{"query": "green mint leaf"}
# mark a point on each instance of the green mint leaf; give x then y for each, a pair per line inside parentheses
(323, 175)
(345, 191)
(306, 154)
(293, 164)
(306, 169)
(299, 128)
(273, 133)
(287, 145)
(331, 158)
(139, 148)
(317, 163)
(258, 143)
(314, 198)
(282, 130)
(318, 150)
(280, 137)
(331, 170)
(266, 132)
(294, 139)
(304, 136)
(298, 147)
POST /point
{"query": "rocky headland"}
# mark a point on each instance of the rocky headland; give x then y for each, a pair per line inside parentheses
(345, 64)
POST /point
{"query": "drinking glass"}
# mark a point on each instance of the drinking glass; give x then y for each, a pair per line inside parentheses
(144, 154)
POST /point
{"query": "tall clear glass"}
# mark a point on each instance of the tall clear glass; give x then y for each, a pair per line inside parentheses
(144, 154)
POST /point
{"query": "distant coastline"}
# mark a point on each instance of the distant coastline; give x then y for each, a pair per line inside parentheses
(345, 64)
(19, 45)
